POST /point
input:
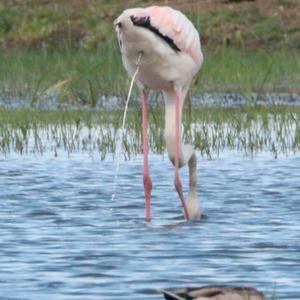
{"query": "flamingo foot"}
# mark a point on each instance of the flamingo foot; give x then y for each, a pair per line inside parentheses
(147, 189)
(178, 186)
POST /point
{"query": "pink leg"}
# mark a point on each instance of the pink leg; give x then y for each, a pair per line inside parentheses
(147, 179)
(177, 180)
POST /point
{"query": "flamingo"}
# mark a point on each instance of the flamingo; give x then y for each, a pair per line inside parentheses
(166, 46)
(215, 293)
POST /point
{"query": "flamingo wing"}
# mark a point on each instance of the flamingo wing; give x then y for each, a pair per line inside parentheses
(172, 26)
(175, 25)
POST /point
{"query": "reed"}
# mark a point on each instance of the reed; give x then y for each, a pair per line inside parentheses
(33, 79)
(211, 129)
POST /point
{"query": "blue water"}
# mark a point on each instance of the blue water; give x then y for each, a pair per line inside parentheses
(62, 237)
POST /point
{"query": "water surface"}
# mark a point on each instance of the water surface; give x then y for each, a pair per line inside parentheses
(62, 237)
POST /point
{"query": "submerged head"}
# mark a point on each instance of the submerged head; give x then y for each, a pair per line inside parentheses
(193, 207)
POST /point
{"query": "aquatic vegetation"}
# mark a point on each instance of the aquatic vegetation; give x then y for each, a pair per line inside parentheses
(211, 129)
(33, 79)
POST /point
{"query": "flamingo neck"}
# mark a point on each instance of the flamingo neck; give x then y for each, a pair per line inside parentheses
(187, 154)
(193, 176)
(193, 204)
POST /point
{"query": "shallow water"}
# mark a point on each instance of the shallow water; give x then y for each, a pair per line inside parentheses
(52, 101)
(62, 237)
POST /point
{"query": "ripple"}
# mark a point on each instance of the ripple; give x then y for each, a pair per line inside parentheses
(41, 213)
(62, 237)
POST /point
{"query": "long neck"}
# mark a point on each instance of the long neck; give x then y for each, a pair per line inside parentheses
(193, 177)
(187, 153)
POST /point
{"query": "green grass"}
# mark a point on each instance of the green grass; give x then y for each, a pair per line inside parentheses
(230, 70)
(32, 75)
(86, 24)
(212, 130)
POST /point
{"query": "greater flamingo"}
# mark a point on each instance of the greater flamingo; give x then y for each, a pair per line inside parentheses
(215, 293)
(167, 48)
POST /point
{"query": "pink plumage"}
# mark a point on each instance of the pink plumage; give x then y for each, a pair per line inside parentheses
(173, 23)
(166, 45)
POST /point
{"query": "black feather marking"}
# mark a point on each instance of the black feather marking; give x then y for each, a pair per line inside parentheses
(145, 22)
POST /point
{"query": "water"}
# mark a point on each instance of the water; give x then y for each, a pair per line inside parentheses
(51, 100)
(62, 237)
(121, 131)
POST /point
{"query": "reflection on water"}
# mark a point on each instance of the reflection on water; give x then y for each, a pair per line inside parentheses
(62, 237)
